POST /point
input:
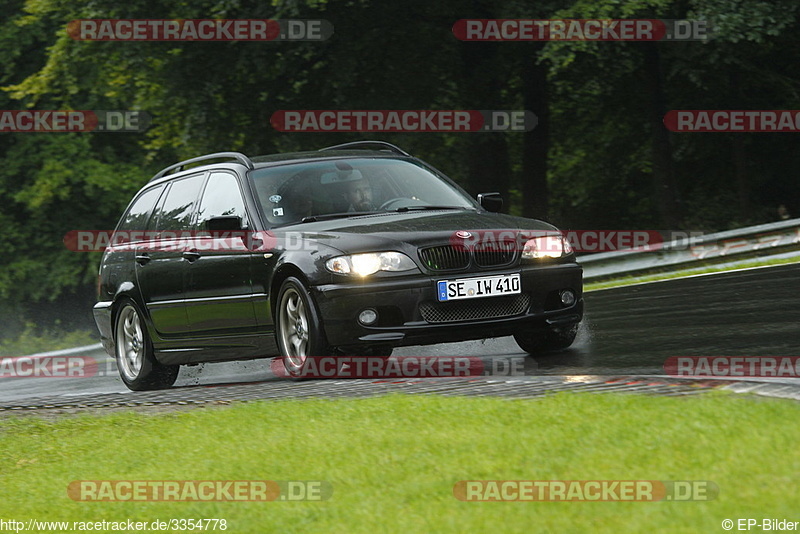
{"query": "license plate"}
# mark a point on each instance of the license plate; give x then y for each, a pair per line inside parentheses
(472, 288)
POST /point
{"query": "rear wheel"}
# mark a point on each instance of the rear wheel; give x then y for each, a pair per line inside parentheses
(298, 327)
(137, 365)
(537, 342)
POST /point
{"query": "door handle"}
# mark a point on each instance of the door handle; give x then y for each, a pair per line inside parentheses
(191, 255)
(142, 258)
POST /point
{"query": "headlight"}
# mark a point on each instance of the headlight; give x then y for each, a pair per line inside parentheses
(549, 246)
(370, 263)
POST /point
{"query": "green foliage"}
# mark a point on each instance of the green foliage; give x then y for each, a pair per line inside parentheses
(603, 138)
(63, 187)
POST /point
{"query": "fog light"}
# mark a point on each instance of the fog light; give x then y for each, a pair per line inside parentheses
(368, 316)
(567, 297)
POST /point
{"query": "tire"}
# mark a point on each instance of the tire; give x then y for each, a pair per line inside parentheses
(298, 327)
(537, 342)
(137, 365)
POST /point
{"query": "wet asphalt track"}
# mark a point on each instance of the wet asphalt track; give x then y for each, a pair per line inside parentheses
(627, 331)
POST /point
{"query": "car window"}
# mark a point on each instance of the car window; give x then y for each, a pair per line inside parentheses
(222, 196)
(177, 209)
(287, 193)
(136, 217)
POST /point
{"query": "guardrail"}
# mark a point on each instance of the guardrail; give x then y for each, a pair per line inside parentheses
(95, 351)
(762, 240)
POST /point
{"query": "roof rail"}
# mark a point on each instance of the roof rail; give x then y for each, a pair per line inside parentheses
(360, 144)
(241, 158)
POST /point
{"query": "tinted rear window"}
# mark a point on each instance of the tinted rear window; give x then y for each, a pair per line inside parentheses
(139, 212)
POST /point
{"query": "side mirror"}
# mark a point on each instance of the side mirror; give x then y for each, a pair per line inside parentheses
(490, 201)
(224, 223)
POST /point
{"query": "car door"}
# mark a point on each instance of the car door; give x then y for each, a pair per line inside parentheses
(161, 262)
(219, 291)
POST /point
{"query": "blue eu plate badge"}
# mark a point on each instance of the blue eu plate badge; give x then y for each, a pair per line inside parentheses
(442, 290)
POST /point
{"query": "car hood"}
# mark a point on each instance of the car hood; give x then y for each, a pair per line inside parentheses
(401, 231)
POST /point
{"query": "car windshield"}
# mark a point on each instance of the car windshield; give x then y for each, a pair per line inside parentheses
(290, 193)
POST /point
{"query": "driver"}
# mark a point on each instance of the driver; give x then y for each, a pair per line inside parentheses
(359, 195)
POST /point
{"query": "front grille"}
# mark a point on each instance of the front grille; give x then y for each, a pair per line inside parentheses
(444, 258)
(469, 310)
(494, 255)
(451, 258)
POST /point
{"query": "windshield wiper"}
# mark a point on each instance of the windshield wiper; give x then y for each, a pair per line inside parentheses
(341, 215)
(421, 208)
(346, 214)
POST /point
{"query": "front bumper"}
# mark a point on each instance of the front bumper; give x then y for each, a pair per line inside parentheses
(398, 300)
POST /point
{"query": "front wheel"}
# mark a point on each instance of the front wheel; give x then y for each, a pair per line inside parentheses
(298, 327)
(138, 368)
(537, 342)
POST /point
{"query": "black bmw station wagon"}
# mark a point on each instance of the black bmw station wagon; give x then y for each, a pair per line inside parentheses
(349, 250)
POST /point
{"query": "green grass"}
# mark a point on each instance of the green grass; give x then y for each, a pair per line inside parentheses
(393, 461)
(632, 280)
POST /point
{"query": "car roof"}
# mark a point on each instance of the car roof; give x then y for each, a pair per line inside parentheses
(354, 149)
(316, 155)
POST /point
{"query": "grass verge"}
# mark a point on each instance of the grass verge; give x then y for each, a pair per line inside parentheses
(393, 461)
